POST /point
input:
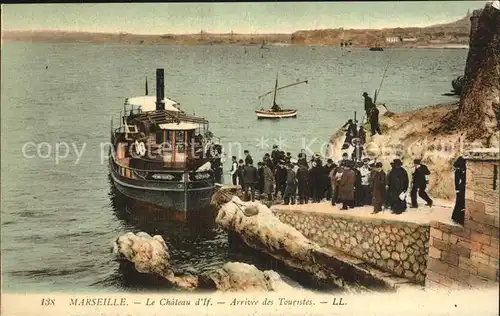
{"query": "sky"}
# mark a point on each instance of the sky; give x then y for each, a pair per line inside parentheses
(242, 17)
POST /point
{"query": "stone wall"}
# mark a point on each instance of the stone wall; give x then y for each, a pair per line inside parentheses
(397, 247)
(465, 257)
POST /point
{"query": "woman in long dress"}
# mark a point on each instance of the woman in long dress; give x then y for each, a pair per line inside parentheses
(458, 215)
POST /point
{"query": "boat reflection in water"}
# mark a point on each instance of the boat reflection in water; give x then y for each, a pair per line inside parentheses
(194, 241)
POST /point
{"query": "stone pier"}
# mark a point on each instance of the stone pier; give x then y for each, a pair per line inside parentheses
(421, 245)
(397, 244)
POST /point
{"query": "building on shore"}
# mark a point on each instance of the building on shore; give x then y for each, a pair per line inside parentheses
(393, 39)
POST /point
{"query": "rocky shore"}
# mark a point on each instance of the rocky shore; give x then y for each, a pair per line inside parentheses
(150, 255)
(438, 134)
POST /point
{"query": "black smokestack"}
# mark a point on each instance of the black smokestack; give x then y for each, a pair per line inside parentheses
(160, 90)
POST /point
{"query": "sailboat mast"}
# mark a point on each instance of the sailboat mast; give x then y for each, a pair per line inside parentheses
(275, 89)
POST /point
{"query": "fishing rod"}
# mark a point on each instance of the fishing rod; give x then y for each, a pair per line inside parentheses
(377, 92)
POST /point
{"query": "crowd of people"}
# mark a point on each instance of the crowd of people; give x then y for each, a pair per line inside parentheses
(351, 182)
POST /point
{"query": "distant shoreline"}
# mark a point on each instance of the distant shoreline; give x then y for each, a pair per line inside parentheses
(452, 35)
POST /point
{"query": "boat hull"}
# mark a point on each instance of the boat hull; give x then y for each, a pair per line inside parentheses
(175, 197)
(262, 114)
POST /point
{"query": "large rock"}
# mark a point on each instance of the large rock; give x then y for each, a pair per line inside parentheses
(480, 100)
(257, 227)
(150, 255)
(237, 276)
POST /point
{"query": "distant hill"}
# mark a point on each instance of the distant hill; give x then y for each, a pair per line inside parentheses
(450, 33)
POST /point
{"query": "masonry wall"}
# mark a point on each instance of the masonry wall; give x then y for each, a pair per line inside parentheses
(396, 247)
(468, 256)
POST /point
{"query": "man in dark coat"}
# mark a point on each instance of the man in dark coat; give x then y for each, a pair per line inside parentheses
(280, 179)
(362, 135)
(275, 155)
(419, 183)
(366, 172)
(302, 159)
(378, 185)
(267, 161)
(368, 104)
(260, 181)
(268, 182)
(346, 186)
(351, 132)
(291, 185)
(358, 193)
(374, 124)
(250, 178)
(302, 175)
(458, 215)
(316, 181)
(398, 183)
(326, 180)
(239, 173)
(248, 158)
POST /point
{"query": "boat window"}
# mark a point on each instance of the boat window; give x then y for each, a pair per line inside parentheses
(179, 140)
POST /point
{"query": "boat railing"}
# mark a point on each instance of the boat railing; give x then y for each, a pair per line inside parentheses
(152, 175)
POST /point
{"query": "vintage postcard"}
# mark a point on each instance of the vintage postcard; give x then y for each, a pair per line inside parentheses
(250, 158)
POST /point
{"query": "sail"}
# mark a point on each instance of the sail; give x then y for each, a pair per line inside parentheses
(283, 87)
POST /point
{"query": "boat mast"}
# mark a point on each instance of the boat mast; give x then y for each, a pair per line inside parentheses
(275, 89)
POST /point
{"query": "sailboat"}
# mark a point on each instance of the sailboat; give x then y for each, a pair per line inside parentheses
(276, 112)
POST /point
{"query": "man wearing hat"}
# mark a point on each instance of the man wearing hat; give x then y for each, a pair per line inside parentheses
(280, 178)
(326, 180)
(250, 178)
(291, 185)
(398, 183)
(378, 185)
(366, 194)
(374, 123)
(302, 182)
(368, 104)
(248, 158)
(346, 186)
(419, 183)
(275, 155)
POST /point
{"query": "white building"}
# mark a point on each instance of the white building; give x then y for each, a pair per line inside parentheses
(392, 39)
(409, 39)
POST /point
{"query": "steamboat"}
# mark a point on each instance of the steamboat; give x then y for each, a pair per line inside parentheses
(162, 156)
